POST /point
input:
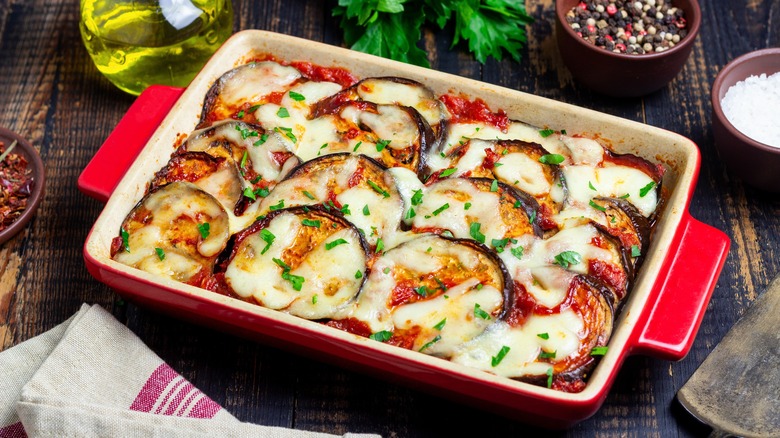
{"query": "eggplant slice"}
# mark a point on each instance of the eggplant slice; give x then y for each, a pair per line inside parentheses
(304, 261)
(433, 293)
(482, 209)
(390, 90)
(176, 231)
(355, 185)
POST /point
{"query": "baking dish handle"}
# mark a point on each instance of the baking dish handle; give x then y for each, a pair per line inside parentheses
(108, 166)
(696, 258)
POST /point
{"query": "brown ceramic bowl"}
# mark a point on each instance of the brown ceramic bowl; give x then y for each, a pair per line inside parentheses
(618, 74)
(34, 162)
(756, 163)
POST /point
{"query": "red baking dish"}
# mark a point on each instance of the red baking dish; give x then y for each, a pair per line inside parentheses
(660, 318)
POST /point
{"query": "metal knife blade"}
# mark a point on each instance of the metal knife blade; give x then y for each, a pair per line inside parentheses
(736, 390)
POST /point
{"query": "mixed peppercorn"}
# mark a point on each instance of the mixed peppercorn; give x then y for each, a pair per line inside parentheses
(15, 187)
(631, 27)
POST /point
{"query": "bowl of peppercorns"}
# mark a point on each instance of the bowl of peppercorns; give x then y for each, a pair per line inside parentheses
(22, 183)
(626, 48)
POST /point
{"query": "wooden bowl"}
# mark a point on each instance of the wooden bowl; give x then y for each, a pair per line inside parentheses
(34, 162)
(619, 74)
(754, 162)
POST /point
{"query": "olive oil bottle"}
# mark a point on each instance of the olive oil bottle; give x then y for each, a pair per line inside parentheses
(139, 43)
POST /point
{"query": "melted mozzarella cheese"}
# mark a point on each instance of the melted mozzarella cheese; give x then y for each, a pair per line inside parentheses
(456, 309)
(407, 183)
(565, 331)
(390, 122)
(252, 82)
(611, 181)
(583, 150)
(523, 172)
(383, 91)
(458, 132)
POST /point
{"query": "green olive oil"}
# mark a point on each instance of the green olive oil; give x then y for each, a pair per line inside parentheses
(139, 43)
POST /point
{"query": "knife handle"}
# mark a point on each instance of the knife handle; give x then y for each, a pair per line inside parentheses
(101, 176)
(682, 291)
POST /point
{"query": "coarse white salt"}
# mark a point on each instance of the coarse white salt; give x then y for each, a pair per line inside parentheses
(753, 107)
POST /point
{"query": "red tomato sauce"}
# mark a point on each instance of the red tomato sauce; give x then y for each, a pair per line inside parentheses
(464, 111)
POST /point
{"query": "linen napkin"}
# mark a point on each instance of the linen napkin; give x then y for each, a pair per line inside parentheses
(91, 376)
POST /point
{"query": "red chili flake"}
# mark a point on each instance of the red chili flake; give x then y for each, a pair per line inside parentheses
(611, 9)
(16, 185)
(680, 23)
(583, 6)
(621, 47)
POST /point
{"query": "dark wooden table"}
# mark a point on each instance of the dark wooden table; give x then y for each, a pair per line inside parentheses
(51, 93)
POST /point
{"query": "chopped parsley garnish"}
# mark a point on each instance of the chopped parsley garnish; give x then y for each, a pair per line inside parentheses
(625, 196)
(590, 186)
(543, 335)
(366, 211)
(499, 244)
(599, 351)
(386, 270)
(381, 145)
(203, 229)
(319, 151)
(551, 159)
(308, 195)
(125, 239)
(262, 140)
(596, 206)
(474, 232)
(262, 192)
(494, 186)
(422, 291)
(532, 217)
(268, 237)
(410, 214)
(495, 360)
(358, 274)
(256, 179)
(440, 209)
(479, 286)
(546, 355)
(635, 251)
(283, 113)
(646, 189)
(246, 132)
(467, 205)
(546, 133)
(314, 299)
(382, 336)
(345, 209)
(311, 223)
(549, 377)
(517, 252)
(296, 96)
(357, 146)
(278, 206)
(447, 172)
(160, 253)
(380, 245)
(240, 114)
(441, 284)
(242, 163)
(335, 243)
(567, 258)
(296, 280)
(378, 189)
(281, 264)
(417, 197)
(433, 341)
(497, 164)
(287, 132)
(440, 324)
(479, 313)
(253, 108)
(517, 204)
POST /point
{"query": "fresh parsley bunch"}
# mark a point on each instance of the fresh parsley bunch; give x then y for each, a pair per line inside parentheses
(392, 28)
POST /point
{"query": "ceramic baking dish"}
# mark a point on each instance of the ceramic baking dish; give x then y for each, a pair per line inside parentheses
(660, 318)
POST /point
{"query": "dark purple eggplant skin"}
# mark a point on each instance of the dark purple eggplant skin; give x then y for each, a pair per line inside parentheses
(641, 225)
(508, 289)
(529, 204)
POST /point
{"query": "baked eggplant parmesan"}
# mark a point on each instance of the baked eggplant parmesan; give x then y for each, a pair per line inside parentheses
(430, 223)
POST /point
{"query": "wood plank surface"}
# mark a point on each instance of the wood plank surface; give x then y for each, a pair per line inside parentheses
(51, 93)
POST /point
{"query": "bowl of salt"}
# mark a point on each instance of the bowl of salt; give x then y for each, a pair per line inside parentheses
(746, 117)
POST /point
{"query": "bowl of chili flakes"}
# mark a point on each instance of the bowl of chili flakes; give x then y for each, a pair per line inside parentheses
(22, 183)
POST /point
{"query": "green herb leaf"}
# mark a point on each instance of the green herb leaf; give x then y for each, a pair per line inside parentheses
(440, 324)
(440, 209)
(335, 243)
(567, 258)
(357, 145)
(311, 223)
(590, 185)
(428, 345)
(422, 291)
(345, 209)
(475, 233)
(467, 205)
(532, 217)
(479, 313)
(381, 144)
(543, 335)
(382, 336)
(549, 377)
(599, 351)
(296, 280)
(495, 360)
(268, 237)
(417, 197)
(358, 274)
(287, 133)
(378, 189)
(262, 140)
(546, 133)
(160, 253)
(283, 113)
(596, 206)
(281, 264)
(314, 299)
(278, 206)
(262, 192)
(635, 251)
(366, 212)
(447, 172)
(240, 114)
(546, 355)
(494, 186)
(296, 96)
(410, 214)
(308, 195)
(517, 251)
(380, 245)
(203, 229)
(499, 244)
(625, 196)
(319, 151)
(253, 108)
(125, 239)
(551, 159)
(646, 189)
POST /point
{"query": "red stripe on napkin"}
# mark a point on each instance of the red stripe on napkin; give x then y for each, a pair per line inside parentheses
(172, 395)
(13, 431)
